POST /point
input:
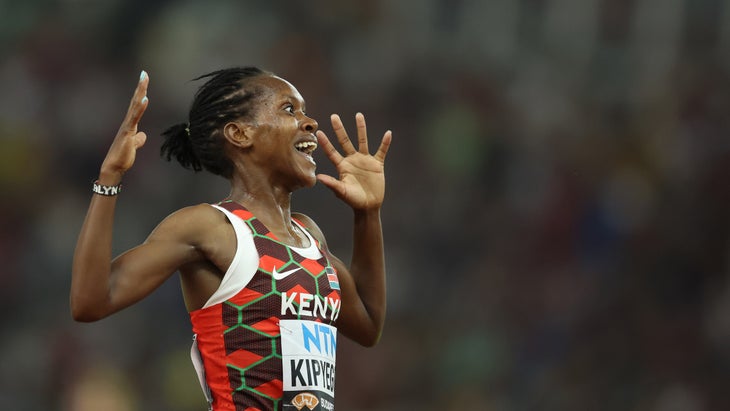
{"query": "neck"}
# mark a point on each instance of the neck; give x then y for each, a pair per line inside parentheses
(271, 204)
(272, 208)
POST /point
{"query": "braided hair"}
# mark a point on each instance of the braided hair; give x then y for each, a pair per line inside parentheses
(198, 144)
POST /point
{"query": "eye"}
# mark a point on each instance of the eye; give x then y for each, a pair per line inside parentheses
(289, 108)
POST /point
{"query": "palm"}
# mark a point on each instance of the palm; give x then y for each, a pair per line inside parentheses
(122, 153)
(362, 180)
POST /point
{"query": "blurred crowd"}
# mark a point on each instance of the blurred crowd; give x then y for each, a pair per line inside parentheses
(557, 218)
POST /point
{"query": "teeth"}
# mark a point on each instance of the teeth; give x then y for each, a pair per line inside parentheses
(306, 146)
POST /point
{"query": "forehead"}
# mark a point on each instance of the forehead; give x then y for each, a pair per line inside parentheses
(276, 88)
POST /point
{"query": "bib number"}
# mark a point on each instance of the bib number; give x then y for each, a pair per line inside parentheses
(308, 350)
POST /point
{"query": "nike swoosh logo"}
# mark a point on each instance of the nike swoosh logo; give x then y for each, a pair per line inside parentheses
(281, 276)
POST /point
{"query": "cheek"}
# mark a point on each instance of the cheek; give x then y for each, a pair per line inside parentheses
(268, 121)
(261, 111)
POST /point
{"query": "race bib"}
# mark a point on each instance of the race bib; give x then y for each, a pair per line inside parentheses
(308, 351)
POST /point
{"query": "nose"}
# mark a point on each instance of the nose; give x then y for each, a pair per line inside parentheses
(309, 124)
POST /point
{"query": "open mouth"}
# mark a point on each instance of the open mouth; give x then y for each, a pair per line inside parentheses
(306, 147)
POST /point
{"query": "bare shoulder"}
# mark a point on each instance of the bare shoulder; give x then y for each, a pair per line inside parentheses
(191, 224)
(204, 213)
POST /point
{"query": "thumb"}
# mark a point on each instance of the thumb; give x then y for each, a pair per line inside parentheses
(331, 183)
(139, 139)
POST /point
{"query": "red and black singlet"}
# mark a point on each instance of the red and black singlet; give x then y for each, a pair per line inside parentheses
(266, 338)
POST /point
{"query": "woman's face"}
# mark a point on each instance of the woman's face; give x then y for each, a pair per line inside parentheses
(284, 138)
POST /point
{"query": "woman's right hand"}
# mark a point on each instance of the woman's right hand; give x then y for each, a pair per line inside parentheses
(123, 150)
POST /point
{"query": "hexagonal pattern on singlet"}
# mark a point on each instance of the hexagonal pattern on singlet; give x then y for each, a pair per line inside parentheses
(252, 316)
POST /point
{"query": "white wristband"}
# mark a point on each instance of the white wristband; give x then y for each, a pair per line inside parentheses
(106, 190)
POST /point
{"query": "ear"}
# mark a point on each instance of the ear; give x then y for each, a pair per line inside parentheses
(238, 134)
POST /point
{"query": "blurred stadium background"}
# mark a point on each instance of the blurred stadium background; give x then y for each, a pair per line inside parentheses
(558, 209)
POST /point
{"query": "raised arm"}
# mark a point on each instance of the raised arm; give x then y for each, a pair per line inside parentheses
(100, 286)
(361, 185)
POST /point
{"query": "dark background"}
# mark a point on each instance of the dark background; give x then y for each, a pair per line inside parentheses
(557, 211)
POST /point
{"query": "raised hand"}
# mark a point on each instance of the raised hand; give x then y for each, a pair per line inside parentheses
(123, 150)
(362, 181)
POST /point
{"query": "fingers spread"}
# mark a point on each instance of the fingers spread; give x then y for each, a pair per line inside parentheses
(347, 147)
(329, 150)
(138, 104)
(362, 133)
(341, 134)
(384, 146)
(137, 112)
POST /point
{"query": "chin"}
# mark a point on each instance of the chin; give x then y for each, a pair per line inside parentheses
(306, 181)
(310, 182)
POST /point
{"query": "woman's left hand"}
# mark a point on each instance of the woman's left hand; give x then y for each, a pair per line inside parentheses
(362, 180)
